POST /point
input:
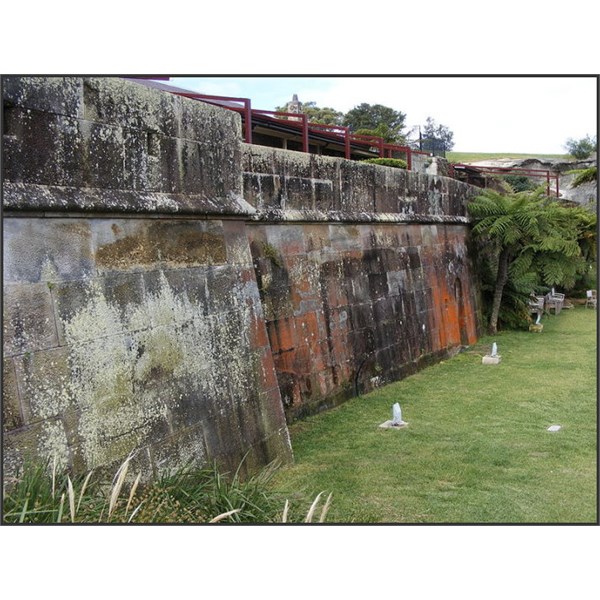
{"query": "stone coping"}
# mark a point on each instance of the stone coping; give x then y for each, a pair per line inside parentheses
(28, 197)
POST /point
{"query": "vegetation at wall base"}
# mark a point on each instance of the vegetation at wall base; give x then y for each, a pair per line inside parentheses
(43, 494)
(476, 448)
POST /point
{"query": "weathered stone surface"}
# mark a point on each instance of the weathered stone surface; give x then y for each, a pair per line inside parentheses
(38, 250)
(140, 245)
(128, 138)
(286, 185)
(375, 302)
(28, 318)
(11, 406)
(42, 198)
(44, 379)
(57, 95)
(195, 291)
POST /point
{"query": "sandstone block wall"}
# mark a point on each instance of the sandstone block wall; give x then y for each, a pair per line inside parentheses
(132, 318)
(172, 291)
(364, 278)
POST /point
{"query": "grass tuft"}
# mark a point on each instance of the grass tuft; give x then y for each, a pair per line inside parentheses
(188, 495)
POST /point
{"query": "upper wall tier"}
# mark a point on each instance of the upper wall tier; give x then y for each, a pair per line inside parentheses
(287, 185)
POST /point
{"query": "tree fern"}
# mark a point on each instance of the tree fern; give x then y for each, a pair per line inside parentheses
(526, 241)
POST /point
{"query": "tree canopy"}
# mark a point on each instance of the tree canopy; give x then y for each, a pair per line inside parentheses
(316, 114)
(581, 148)
(376, 119)
(440, 132)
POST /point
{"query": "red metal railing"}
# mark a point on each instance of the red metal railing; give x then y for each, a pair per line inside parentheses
(338, 130)
(297, 120)
(535, 173)
(338, 134)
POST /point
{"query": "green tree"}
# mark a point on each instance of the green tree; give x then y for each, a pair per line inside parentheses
(432, 130)
(581, 148)
(526, 240)
(316, 114)
(376, 119)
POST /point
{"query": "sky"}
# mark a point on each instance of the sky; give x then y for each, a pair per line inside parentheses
(486, 114)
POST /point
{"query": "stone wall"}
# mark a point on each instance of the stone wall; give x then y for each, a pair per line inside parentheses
(132, 317)
(172, 291)
(364, 276)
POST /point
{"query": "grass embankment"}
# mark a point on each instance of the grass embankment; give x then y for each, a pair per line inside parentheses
(476, 449)
(465, 157)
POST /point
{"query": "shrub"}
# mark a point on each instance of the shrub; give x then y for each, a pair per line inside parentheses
(397, 163)
(520, 183)
(581, 148)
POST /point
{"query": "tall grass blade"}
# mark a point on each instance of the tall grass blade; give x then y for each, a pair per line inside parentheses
(132, 492)
(83, 488)
(53, 475)
(225, 515)
(312, 509)
(117, 485)
(24, 511)
(60, 508)
(71, 498)
(285, 512)
(326, 508)
(135, 511)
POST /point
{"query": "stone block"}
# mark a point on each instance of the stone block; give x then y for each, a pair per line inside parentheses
(139, 172)
(44, 250)
(44, 380)
(262, 190)
(144, 245)
(323, 195)
(12, 417)
(187, 284)
(44, 148)
(282, 334)
(182, 449)
(20, 446)
(491, 360)
(85, 311)
(103, 160)
(236, 242)
(28, 319)
(58, 95)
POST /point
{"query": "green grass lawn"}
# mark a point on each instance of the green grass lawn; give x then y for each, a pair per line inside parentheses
(462, 157)
(476, 449)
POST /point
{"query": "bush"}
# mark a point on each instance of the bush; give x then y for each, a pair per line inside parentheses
(581, 148)
(520, 183)
(397, 163)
